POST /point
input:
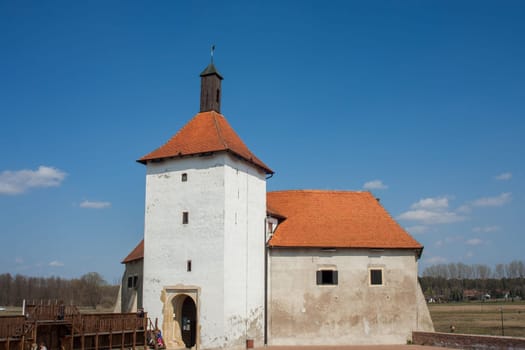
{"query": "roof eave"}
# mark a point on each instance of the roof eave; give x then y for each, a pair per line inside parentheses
(418, 250)
(144, 160)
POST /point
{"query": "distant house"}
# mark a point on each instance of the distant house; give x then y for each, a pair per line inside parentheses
(224, 264)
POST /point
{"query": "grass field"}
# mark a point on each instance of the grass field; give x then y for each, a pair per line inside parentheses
(480, 318)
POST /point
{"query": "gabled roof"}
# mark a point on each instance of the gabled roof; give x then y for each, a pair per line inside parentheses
(206, 132)
(335, 219)
(328, 219)
(136, 254)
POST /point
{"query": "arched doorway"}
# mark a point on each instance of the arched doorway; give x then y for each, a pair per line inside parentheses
(180, 318)
(188, 326)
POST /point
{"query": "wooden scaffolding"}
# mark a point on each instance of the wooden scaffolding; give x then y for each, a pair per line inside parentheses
(62, 327)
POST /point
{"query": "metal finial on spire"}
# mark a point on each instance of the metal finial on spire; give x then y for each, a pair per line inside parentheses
(212, 50)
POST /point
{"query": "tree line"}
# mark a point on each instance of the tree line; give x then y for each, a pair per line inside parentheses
(458, 281)
(88, 290)
(515, 269)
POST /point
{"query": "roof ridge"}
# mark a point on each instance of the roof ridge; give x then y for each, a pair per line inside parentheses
(319, 191)
(219, 131)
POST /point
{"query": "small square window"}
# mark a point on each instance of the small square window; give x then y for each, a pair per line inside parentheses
(185, 217)
(328, 277)
(376, 277)
(184, 177)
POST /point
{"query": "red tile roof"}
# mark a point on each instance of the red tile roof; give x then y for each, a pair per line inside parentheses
(136, 254)
(335, 219)
(328, 219)
(206, 132)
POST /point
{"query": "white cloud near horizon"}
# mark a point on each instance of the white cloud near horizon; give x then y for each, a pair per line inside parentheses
(497, 201)
(417, 229)
(56, 263)
(430, 217)
(431, 203)
(431, 211)
(474, 241)
(375, 185)
(20, 181)
(486, 229)
(95, 204)
(503, 176)
(436, 260)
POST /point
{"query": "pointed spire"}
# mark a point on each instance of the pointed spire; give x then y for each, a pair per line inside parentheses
(211, 87)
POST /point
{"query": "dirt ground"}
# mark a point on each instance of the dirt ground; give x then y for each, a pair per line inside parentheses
(354, 347)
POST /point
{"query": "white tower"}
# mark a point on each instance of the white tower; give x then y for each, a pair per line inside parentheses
(204, 236)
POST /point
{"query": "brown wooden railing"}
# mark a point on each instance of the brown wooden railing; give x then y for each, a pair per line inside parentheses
(83, 331)
(51, 311)
(12, 326)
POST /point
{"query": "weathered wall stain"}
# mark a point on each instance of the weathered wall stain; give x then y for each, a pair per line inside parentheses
(351, 312)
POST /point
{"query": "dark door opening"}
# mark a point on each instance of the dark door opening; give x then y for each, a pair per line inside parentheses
(189, 322)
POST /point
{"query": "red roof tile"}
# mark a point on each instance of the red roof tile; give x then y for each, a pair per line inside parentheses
(335, 219)
(206, 132)
(329, 219)
(136, 254)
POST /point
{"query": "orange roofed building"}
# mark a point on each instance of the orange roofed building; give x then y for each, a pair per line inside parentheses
(224, 264)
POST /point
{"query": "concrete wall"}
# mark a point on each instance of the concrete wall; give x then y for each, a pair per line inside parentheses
(224, 239)
(351, 312)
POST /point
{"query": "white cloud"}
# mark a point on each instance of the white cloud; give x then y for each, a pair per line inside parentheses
(431, 203)
(436, 260)
(465, 209)
(474, 241)
(20, 181)
(497, 201)
(503, 176)
(417, 229)
(430, 211)
(95, 204)
(19, 261)
(430, 217)
(375, 185)
(486, 229)
(56, 263)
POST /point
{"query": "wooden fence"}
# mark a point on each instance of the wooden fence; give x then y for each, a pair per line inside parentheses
(64, 328)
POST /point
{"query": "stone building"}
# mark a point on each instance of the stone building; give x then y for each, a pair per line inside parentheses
(224, 264)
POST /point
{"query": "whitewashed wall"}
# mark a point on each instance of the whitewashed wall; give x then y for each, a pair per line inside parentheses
(352, 312)
(224, 239)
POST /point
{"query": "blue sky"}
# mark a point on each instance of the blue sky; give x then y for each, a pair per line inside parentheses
(421, 102)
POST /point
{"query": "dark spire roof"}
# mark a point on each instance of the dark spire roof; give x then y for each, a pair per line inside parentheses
(210, 70)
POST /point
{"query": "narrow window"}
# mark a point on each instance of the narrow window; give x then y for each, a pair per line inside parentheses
(328, 277)
(218, 95)
(184, 177)
(185, 217)
(130, 282)
(188, 265)
(135, 281)
(376, 277)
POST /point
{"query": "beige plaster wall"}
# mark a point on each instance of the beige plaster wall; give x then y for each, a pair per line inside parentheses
(131, 298)
(352, 312)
